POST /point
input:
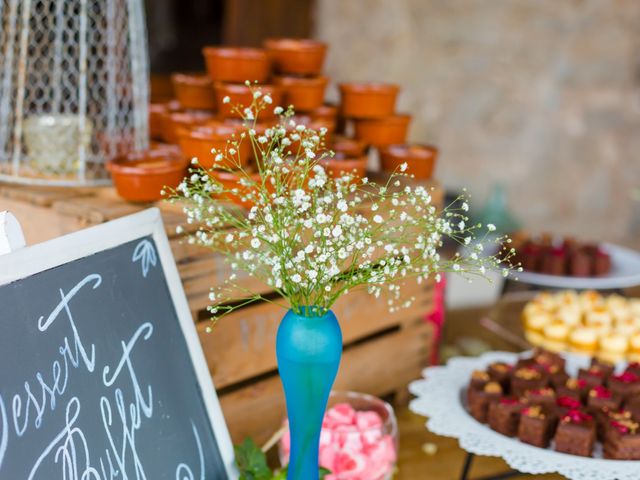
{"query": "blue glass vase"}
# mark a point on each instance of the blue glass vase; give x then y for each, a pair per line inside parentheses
(308, 347)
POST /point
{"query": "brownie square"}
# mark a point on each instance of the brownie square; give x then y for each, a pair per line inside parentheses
(547, 358)
(527, 378)
(600, 398)
(573, 388)
(536, 426)
(623, 440)
(504, 415)
(500, 372)
(633, 367)
(605, 420)
(479, 379)
(576, 434)
(566, 404)
(626, 385)
(543, 396)
(594, 376)
(633, 406)
(605, 367)
(557, 377)
(478, 400)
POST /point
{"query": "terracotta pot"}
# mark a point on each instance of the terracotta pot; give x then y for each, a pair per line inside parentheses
(240, 94)
(141, 176)
(383, 131)
(198, 142)
(368, 100)
(325, 112)
(296, 56)
(341, 164)
(420, 159)
(349, 147)
(172, 122)
(156, 112)
(194, 91)
(305, 94)
(236, 64)
(231, 180)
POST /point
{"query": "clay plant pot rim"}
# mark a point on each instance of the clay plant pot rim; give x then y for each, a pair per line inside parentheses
(326, 108)
(209, 132)
(199, 80)
(346, 160)
(398, 118)
(369, 87)
(235, 52)
(287, 80)
(190, 116)
(129, 164)
(224, 175)
(293, 44)
(242, 89)
(410, 150)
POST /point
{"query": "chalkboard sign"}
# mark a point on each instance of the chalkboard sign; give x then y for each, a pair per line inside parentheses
(102, 376)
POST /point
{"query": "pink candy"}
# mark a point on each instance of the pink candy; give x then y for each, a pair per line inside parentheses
(352, 445)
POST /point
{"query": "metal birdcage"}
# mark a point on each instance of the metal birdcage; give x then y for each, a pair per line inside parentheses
(73, 88)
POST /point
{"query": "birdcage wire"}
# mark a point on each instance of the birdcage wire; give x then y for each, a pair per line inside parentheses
(73, 88)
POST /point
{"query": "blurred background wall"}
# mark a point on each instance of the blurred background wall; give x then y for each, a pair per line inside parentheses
(540, 95)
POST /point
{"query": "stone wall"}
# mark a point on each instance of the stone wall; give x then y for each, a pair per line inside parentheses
(542, 95)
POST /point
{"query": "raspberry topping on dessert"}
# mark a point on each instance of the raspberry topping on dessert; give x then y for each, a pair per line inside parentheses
(576, 416)
(600, 392)
(568, 402)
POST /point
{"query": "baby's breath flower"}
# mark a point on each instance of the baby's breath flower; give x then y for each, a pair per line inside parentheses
(313, 237)
(226, 99)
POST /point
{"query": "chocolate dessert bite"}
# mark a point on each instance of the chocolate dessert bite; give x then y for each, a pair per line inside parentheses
(601, 263)
(633, 406)
(542, 396)
(554, 261)
(604, 418)
(479, 378)
(504, 415)
(580, 264)
(594, 376)
(528, 378)
(625, 385)
(500, 372)
(536, 426)
(565, 404)
(633, 367)
(573, 388)
(479, 400)
(600, 398)
(605, 367)
(623, 440)
(576, 434)
(547, 358)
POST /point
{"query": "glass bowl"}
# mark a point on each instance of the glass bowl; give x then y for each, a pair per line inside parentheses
(359, 438)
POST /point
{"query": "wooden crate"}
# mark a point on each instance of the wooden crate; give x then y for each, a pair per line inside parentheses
(382, 351)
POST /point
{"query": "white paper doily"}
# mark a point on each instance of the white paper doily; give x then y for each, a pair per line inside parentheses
(440, 397)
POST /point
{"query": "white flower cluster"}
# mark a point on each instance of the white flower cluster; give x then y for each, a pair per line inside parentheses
(312, 237)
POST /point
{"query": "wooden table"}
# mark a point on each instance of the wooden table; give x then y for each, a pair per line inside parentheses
(447, 462)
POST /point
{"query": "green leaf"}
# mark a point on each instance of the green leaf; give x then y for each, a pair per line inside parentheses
(324, 472)
(252, 462)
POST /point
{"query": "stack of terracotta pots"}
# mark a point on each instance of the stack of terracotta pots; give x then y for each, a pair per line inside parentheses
(372, 109)
(290, 71)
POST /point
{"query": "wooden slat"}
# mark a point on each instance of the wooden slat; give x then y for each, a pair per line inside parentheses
(379, 367)
(242, 345)
(41, 196)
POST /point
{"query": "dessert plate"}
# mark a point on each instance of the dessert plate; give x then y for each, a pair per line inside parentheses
(625, 272)
(440, 397)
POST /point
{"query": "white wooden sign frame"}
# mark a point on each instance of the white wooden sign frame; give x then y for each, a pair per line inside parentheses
(24, 262)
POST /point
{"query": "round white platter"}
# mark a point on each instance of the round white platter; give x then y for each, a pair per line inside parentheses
(440, 397)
